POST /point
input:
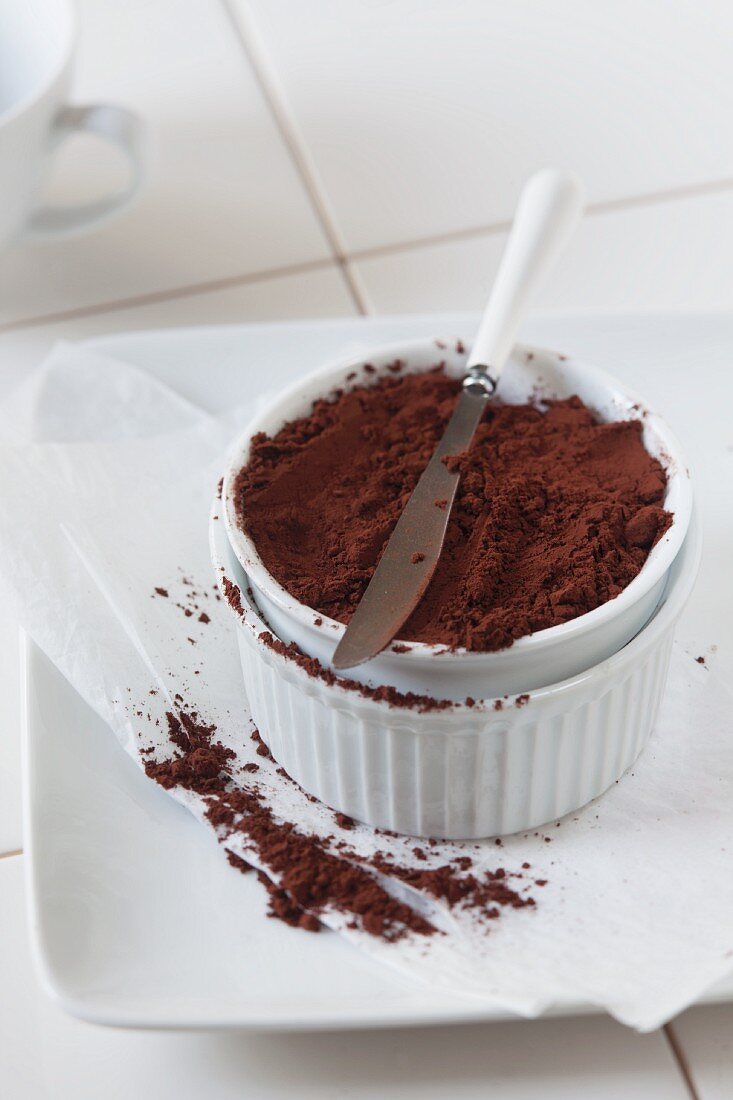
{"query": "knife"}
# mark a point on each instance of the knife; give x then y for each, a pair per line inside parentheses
(549, 207)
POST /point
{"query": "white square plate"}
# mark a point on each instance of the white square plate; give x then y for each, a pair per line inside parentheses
(136, 918)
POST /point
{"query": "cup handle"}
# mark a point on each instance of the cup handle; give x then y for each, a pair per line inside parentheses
(114, 124)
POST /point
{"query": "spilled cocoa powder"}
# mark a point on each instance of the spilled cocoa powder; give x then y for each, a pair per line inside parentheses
(311, 877)
(383, 693)
(231, 591)
(280, 904)
(487, 893)
(555, 514)
(192, 599)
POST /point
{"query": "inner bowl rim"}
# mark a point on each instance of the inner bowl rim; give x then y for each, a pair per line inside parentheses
(332, 630)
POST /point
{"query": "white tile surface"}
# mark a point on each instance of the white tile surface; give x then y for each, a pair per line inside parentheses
(45, 1055)
(222, 197)
(673, 255)
(425, 118)
(319, 293)
(706, 1037)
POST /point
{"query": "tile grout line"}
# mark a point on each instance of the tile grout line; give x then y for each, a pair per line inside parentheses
(608, 206)
(228, 282)
(680, 1060)
(353, 276)
(346, 261)
(269, 83)
(672, 194)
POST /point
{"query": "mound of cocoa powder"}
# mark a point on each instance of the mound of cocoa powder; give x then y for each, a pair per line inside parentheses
(555, 514)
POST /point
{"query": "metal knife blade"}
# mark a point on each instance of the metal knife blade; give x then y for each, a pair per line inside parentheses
(411, 554)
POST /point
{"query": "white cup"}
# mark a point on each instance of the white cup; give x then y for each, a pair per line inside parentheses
(37, 39)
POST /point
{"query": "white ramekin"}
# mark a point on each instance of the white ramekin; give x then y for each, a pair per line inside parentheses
(533, 661)
(466, 771)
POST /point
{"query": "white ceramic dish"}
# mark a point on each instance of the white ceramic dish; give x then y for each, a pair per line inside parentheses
(164, 934)
(536, 660)
(122, 932)
(464, 771)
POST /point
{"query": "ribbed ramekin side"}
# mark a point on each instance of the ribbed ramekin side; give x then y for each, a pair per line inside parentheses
(554, 765)
(452, 774)
(658, 681)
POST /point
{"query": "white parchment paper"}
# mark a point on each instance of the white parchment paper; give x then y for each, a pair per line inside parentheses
(106, 482)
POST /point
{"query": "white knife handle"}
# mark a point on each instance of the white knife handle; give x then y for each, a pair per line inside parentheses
(548, 209)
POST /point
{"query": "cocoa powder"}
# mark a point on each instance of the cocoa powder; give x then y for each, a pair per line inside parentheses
(555, 513)
(311, 877)
(486, 894)
(384, 693)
